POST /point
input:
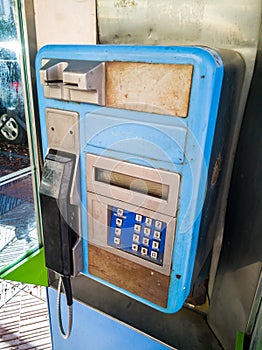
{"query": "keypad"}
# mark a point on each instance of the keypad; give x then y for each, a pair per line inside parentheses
(136, 234)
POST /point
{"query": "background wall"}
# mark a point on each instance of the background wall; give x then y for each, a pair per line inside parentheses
(65, 22)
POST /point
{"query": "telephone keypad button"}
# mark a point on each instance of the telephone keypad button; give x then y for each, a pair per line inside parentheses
(136, 238)
(154, 254)
(155, 245)
(148, 221)
(147, 231)
(135, 247)
(120, 212)
(144, 251)
(118, 231)
(146, 241)
(158, 224)
(119, 222)
(139, 218)
(137, 228)
(157, 234)
(117, 240)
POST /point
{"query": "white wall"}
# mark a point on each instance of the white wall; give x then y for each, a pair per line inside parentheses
(65, 22)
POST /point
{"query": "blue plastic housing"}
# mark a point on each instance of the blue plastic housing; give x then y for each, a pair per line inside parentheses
(176, 144)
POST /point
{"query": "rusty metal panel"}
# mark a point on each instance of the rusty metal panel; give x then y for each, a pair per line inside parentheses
(147, 87)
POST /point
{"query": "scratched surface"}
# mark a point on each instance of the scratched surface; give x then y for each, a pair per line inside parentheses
(147, 87)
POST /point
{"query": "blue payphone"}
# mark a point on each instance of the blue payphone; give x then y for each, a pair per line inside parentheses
(133, 142)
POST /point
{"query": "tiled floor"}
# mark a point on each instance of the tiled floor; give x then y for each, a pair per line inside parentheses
(24, 323)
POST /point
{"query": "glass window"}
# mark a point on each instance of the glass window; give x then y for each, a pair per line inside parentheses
(18, 229)
(12, 113)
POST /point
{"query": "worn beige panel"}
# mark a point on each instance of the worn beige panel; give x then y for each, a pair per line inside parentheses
(65, 22)
(149, 87)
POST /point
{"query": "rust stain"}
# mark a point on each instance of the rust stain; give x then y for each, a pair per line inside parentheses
(126, 3)
(216, 171)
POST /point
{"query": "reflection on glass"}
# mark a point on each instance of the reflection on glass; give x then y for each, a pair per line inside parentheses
(18, 232)
(12, 159)
(12, 114)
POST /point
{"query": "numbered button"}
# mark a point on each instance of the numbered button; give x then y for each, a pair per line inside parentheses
(137, 228)
(119, 222)
(118, 231)
(146, 241)
(158, 224)
(139, 218)
(155, 245)
(157, 234)
(148, 221)
(117, 240)
(147, 231)
(136, 238)
(144, 251)
(135, 247)
(120, 212)
(154, 255)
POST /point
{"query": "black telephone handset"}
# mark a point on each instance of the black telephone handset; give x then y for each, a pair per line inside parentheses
(57, 221)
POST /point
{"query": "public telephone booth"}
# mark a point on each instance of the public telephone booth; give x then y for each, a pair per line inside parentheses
(131, 168)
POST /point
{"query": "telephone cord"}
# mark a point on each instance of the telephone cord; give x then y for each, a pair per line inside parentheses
(67, 289)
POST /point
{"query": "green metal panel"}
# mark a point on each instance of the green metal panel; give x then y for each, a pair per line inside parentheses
(240, 341)
(30, 270)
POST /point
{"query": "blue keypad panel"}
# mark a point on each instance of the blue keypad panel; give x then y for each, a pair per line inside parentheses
(136, 234)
